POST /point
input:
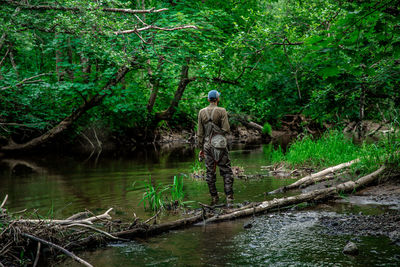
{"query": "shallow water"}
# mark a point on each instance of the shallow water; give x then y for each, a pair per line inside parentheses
(286, 239)
(62, 186)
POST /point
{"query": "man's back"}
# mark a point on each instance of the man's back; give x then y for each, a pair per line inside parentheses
(219, 118)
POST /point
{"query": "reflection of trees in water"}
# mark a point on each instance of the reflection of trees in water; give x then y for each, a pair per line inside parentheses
(18, 167)
(19, 170)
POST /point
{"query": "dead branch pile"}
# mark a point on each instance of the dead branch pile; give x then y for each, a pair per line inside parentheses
(24, 240)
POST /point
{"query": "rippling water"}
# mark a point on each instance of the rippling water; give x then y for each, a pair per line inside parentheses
(282, 239)
(61, 186)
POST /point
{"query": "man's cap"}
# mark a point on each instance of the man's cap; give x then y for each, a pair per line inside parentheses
(213, 94)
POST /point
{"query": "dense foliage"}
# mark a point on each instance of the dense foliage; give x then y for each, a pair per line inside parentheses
(329, 60)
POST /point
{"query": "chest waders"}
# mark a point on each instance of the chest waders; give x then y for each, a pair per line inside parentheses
(214, 137)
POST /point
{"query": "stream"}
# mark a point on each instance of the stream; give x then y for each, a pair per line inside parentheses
(59, 186)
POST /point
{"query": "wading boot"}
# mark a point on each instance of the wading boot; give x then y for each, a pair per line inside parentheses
(229, 201)
(214, 200)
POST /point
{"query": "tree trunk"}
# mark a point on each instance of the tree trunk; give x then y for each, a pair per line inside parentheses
(60, 74)
(68, 121)
(70, 61)
(154, 85)
(185, 80)
(251, 125)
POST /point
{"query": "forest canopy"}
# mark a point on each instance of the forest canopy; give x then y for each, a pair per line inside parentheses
(132, 65)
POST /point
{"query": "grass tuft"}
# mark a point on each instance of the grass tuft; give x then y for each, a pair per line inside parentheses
(267, 128)
(334, 148)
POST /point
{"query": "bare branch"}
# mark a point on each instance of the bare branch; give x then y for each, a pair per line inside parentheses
(63, 8)
(27, 81)
(66, 252)
(94, 229)
(288, 43)
(294, 71)
(1, 62)
(139, 19)
(156, 28)
(4, 202)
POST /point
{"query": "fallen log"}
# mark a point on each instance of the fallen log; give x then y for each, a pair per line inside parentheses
(256, 208)
(313, 178)
(305, 197)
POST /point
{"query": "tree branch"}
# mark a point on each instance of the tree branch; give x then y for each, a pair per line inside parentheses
(183, 83)
(288, 43)
(63, 8)
(26, 81)
(149, 27)
(291, 66)
(66, 252)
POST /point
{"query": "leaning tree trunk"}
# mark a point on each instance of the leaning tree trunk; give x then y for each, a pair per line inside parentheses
(251, 125)
(183, 83)
(68, 121)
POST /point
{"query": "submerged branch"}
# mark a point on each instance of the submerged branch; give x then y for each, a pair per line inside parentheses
(66, 252)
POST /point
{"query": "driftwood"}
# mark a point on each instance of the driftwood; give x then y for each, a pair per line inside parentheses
(66, 252)
(104, 216)
(16, 233)
(305, 197)
(315, 177)
(246, 122)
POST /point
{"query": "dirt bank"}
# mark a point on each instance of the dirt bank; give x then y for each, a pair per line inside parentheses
(386, 224)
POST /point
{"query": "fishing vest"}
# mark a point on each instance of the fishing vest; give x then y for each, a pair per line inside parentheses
(213, 133)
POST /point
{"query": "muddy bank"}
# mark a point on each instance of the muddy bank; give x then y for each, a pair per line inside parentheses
(386, 224)
(387, 194)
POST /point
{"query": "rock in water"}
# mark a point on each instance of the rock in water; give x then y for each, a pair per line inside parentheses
(247, 225)
(350, 249)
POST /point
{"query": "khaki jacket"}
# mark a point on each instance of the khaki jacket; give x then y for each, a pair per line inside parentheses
(220, 118)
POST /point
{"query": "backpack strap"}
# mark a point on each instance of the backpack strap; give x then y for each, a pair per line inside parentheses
(212, 113)
(209, 116)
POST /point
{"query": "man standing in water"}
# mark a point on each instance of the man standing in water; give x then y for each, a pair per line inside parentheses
(212, 127)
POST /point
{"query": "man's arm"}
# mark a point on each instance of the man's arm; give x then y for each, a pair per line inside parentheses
(224, 122)
(200, 131)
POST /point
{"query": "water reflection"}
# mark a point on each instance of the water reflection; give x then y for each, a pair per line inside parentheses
(69, 184)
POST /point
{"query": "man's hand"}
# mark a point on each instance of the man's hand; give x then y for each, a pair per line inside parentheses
(201, 155)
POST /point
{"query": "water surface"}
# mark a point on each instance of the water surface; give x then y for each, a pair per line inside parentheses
(56, 186)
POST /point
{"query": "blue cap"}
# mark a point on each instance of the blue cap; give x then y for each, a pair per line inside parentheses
(213, 94)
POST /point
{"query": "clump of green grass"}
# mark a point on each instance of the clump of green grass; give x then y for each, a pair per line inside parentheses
(334, 148)
(197, 170)
(267, 128)
(156, 197)
(331, 149)
(177, 189)
(153, 196)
